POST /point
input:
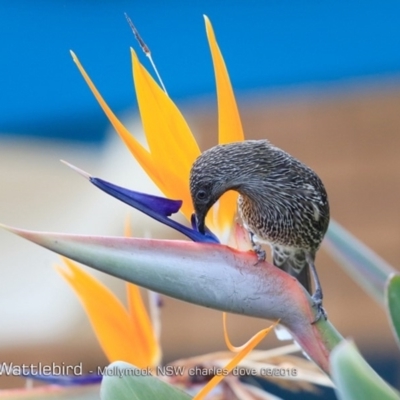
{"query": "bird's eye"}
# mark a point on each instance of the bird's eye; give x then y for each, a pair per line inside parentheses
(201, 195)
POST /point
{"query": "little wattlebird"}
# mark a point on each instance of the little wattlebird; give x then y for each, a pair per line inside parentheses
(282, 202)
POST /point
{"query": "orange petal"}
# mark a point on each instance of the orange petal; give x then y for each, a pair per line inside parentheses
(222, 216)
(161, 117)
(231, 347)
(172, 145)
(229, 123)
(110, 321)
(228, 343)
(244, 350)
(138, 151)
(139, 316)
(143, 329)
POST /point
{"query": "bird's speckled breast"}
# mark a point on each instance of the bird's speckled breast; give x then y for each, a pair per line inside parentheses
(290, 223)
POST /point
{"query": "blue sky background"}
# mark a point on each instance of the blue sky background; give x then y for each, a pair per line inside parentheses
(266, 45)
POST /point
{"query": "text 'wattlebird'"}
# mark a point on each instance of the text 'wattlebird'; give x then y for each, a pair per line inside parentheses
(281, 202)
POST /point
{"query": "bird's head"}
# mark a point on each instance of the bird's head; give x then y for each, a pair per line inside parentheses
(226, 167)
(213, 173)
(205, 192)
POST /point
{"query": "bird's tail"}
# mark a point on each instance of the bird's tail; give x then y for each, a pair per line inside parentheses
(296, 265)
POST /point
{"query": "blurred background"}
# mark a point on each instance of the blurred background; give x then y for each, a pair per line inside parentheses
(320, 80)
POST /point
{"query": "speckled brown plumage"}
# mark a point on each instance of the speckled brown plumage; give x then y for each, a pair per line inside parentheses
(282, 201)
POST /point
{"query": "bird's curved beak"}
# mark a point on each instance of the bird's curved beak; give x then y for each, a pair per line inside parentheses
(200, 222)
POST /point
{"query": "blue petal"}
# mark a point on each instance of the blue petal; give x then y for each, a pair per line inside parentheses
(159, 208)
(65, 380)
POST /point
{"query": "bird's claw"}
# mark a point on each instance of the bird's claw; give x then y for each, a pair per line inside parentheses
(321, 313)
(261, 255)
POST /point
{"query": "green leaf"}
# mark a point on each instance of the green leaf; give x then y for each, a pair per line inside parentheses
(393, 304)
(367, 269)
(354, 378)
(123, 381)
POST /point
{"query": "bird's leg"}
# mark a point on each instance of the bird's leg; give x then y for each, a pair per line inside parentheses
(317, 296)
(261, 255)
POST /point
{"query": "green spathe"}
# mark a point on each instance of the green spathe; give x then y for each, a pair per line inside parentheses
(210, 275)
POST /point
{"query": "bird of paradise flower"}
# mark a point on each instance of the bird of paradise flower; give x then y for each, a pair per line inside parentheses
(172, 147)
(167, 162)
(128, 335)
(170, 154)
